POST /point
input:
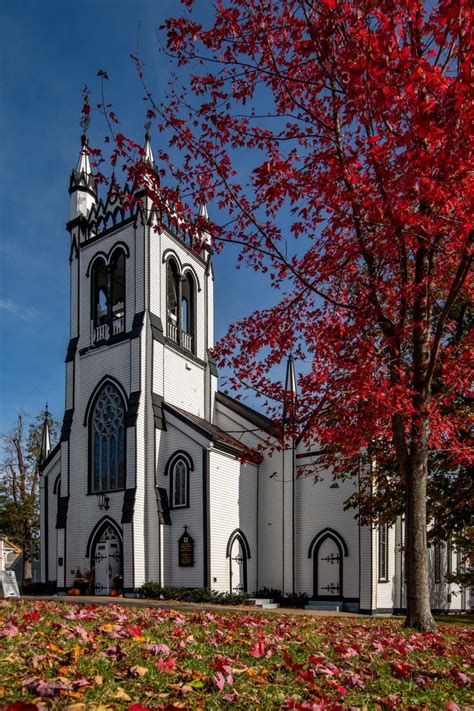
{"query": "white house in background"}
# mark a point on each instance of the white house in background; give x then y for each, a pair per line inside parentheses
(156, 475)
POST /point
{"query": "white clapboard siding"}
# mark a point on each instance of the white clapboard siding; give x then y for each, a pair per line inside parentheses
(233, 505)
(181, 438)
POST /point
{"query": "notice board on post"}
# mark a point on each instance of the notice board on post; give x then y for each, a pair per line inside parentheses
(8, 584)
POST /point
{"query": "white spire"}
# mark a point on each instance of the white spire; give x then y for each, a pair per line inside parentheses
(148, 158)
(205, 216)
(45, 437)
(290, 381)
(83, 165)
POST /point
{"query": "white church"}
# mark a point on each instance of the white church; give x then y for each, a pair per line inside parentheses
(159, 476)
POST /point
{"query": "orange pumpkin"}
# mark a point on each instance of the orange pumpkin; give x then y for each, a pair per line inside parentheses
(77, 591)
(71, 591)
(113, 593)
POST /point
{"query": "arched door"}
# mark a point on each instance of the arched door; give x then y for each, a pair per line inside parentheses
(238, 567)
(107, 561)
(328, 569)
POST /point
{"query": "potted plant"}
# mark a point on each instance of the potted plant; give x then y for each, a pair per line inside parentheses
(81, 582)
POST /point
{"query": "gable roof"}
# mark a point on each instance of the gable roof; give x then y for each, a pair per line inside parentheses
(221, 439)
(256, 418)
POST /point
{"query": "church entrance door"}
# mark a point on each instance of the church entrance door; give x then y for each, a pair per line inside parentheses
(107, 563)
(238, 567)
(328, 569)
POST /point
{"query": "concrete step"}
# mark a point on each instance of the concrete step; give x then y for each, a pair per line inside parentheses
(259, 601)
(269, 605)
(324, 606)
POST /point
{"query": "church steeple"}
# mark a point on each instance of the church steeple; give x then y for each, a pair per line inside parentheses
(82, 188)
(148, 157)
(45, 437)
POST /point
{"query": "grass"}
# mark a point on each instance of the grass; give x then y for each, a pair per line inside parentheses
(62, 656)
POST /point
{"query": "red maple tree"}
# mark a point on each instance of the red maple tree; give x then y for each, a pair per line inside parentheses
(342, 129)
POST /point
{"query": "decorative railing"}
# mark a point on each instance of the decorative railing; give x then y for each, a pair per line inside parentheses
(186, 340)
(103, 331)
(172, 331)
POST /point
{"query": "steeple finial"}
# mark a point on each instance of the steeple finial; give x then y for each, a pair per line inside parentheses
(45, 437)
(148, 157)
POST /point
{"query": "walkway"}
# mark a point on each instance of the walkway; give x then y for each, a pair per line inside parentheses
(185, 606)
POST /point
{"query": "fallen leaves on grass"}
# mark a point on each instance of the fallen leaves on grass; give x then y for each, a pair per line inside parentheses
(114, 657)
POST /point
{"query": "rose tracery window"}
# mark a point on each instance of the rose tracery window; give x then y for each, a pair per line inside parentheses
(108, 441)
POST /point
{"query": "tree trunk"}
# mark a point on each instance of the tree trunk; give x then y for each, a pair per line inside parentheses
(416, 549)
(26, 548)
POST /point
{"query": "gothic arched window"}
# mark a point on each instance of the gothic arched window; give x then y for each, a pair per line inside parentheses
(180, 484)
(172, 299)
(187, 313)
(108, 441)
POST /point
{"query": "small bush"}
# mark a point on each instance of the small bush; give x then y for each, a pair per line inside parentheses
(271, 593)
(294, 600)
(155, 591)
(285, 600)
(39, 588)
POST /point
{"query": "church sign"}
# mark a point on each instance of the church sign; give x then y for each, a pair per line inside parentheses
(186, 550)
(8, 584)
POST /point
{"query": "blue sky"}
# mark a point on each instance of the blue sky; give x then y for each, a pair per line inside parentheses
(49, 50)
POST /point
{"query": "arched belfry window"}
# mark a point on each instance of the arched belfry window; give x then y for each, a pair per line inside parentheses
(99, 293)
(108, 296)
(172, 299)
(117, 291)
(187, 313)
(180, 306)
(108, 441)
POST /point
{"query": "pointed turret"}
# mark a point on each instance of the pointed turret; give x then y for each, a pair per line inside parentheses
(45, 437)
(290, 380)
(82, 188)
(206, 237)
(148, 157)
(289, 405)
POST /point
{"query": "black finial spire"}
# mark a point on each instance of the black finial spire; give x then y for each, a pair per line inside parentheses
(85, 114)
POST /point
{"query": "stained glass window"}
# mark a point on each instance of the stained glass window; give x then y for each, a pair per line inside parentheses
(108, 437)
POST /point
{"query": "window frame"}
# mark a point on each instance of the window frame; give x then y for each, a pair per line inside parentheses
(172, 504)
(382, 553)
(101, 490)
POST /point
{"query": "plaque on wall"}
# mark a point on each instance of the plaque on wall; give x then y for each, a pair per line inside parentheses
(186, 550)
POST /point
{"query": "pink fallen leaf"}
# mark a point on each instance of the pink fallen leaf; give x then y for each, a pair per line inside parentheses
(166, 665)
(219, 680)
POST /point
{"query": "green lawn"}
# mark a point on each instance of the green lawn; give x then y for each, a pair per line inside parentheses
(110, 657)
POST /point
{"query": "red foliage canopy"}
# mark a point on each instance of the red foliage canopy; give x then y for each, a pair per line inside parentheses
(355, 116)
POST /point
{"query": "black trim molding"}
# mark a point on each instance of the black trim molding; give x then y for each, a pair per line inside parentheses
(71, 349)
(61, 517)
(158, 415)
(128, 505)
(163, 506)
(67, 425)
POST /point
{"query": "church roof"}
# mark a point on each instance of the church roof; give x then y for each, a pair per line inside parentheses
(261, 421)
(220, 438)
